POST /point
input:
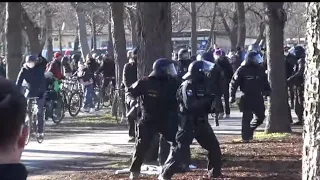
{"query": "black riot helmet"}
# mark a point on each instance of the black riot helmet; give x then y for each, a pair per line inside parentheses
(199, 70)
(298, 52)
(163, 67)
(75, 56)
(252, 57)
(183, 54)
(254, 47)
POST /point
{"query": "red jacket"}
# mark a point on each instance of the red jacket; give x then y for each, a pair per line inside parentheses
(55, 68)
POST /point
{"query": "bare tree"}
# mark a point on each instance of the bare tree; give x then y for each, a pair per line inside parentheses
(311, 146)
(118, 36)
(13, 29)
(131, 10)
(213, 22)
(241, 36)
(154, 28)
(82, 29)
(36, 33)
(49, 28)
(278, 119)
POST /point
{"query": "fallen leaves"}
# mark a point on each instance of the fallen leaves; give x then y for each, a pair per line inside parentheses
(272, 158)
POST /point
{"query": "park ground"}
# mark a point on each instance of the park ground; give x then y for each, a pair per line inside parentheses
(93, 147)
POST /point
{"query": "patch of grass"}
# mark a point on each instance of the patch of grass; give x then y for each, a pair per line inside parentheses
(98, 118)
(263, 135)
(197, 153)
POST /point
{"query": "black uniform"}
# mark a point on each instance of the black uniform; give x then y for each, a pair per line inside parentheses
(290, 63)
(297, 79)
(195, 99)
(227, 70)
(253, 82)
(157, 93)
(129, 76)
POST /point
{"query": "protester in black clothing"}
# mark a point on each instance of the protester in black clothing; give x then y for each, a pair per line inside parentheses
(13, 131)
(129, 76)
(223, 62)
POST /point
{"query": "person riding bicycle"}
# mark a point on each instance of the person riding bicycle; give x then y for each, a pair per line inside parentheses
(33, 74)
(107, 68)
(85, 77)
(55, 66)
(65, 62)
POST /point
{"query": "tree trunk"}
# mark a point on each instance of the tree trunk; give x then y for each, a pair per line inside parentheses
(212, 26)
(82, 31)
(241, 24)
(33, 33)
(76, 40)
(110, 40)
(311, 146)
(118, 35)
(49, 35)
(278, 119)
(94, 33)
(154, 29)
(13, 30)
(133, 22)
(193, 15)
(261, 33)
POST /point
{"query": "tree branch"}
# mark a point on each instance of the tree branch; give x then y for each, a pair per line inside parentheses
(184, 7)
(200, 7)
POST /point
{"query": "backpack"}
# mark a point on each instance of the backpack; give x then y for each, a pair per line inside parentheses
(48, 65)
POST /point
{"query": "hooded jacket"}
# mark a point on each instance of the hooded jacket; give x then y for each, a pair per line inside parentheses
(35, 79)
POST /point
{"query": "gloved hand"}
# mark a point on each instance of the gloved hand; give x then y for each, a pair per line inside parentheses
(232, 100)
(40, 96)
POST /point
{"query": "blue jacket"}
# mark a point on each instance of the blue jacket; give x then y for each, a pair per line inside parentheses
(36, 82)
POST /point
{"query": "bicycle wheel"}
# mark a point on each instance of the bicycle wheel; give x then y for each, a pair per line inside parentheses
(64, 98)
(58, 110)
(40, 139)
(28, 123)
(97, 99)
(75, 102)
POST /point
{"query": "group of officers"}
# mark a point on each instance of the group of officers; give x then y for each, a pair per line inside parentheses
(177, 96)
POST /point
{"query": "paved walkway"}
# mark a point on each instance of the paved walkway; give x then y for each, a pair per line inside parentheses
(75, 147)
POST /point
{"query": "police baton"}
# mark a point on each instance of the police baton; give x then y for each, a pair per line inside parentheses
(136, 105)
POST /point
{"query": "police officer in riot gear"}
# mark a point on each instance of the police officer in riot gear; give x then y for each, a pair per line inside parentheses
(183, 62)
(157, 93)
(195, 99)
(297, 79)
(216, 85)
(253, 82)
(290, 61)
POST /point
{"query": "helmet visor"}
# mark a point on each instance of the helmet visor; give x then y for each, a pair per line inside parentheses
(185, 55)
(171, 70)
(207, 66)
(258, 58)
(292, 51)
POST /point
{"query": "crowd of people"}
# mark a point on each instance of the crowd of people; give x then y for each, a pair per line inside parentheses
(174, 101)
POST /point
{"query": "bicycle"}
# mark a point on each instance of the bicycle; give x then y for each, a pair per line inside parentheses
(32, 119)
(118, 104)
(108, 92)
(76, 100)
